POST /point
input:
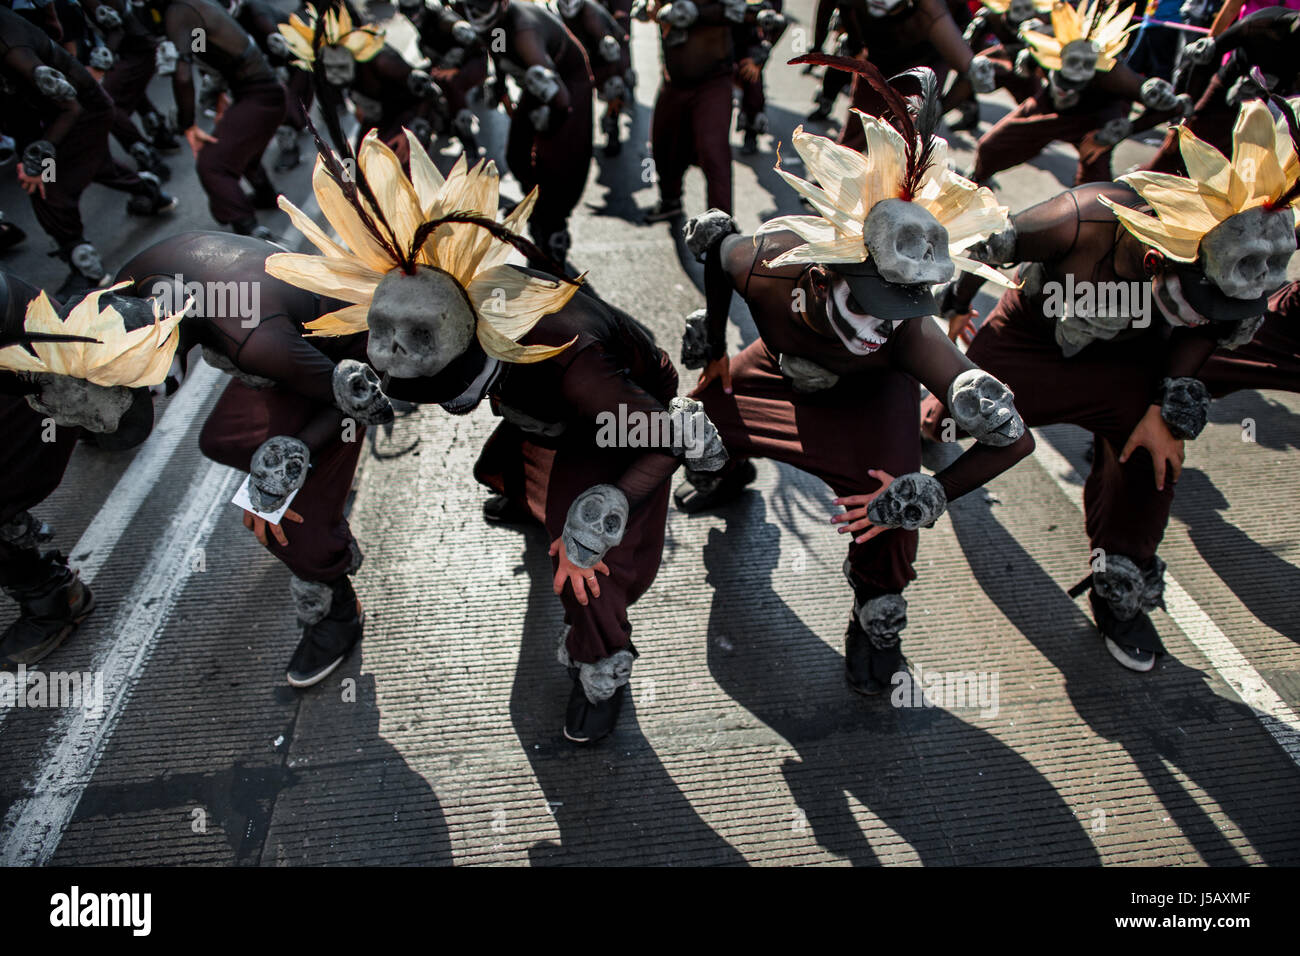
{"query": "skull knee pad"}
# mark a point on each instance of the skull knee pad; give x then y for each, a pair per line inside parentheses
(706, 230)
(1185, 406)
(24, 531)
(541, 82)
(36, 155)
(278, 468)
(695, 438)
(882, 618)
(312, 600)
(985, 408)
(595, 523)
(912, 501)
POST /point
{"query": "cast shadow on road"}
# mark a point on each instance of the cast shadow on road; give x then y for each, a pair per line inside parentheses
(1276, 426)
(896, 762)
(614, 802)
(1226, 753)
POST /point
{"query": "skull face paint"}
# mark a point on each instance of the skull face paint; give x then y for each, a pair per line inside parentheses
(278, 467)
(908, 245)
(882, 8)
(418, 324)
(339, 67)
(1079, 61)
(859, 331)
(595, 523)
(985, 408)
(1246, 255)
(1169, 299)
(485, 14)
(569, 8)
(77, 403)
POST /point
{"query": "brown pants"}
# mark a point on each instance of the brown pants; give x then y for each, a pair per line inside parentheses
(242, 134)
(557, 162)
(548, 480)
(1106, 389)
(127, 83)
(1270, 360)
(838, 435)
(319, 549)
(1034, 125)
(691, 126)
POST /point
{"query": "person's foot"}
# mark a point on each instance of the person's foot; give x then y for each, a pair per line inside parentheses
(585, 722)
(500, 509)
(48, 614)
(159, 131)
(750, 146)
(1127, 641)
(665, 211)
(10, 235)
(151, 200)
(329, 641)
(147, 160)
(869, 669)
(968, 116)
(251, 227)
(705, 495)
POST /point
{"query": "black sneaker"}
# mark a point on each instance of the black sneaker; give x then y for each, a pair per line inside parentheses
(151, 200)
(500, 509)
(10, 235)
(869, 669)
(326, 643)
(147, 160)
(1129, 642)
(665, 212)
(48, 614)
(251, 227)
(585, 722)
(691, 499)
(968, 118)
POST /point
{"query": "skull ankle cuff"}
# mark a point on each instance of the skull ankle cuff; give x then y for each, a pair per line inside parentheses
(312, 600)
(1128, 588)
(882, 618)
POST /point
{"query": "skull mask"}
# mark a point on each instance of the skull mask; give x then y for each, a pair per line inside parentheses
(1079, 61)
(569, 8)
(418, 324)
(340, 68)
(75, 402)
(279, 466)
(911, 501)
(595, 523)
(358, 394)
(485, 14)
(859, 331)
(985, 408)
(1021, 10)
(1246, 255)
(907, 244)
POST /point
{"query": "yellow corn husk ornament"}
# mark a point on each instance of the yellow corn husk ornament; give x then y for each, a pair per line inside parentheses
(1107, 32)
(1002, 6)
(1262, 172)
(364, 42)
(507, 302)
(851, 183)
(137, 358)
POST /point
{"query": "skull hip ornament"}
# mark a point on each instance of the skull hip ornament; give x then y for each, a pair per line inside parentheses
(595, 523)
(911, 501)
(278, 468)
(907, 244)
(1246, 255)
(358, 394)
(985, 408)
(418, 323)
(1079, 61)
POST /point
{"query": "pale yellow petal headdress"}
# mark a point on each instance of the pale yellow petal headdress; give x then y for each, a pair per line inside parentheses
(1002, 6)
(306, 37)
(386, 221)
(1107, 30)
(901, 161)
(115, 356)
(1264, 171)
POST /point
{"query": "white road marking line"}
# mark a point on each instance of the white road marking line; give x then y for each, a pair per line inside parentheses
(34, 825)
(1272, 711)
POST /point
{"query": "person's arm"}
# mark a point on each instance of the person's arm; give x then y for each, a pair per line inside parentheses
(180, 22)
(946, 37)
(1121, 80)
(24, 62)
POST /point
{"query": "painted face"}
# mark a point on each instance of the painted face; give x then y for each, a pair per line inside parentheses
(882, 8)
(1168, 293)
(860, 332)
(1079, 61)
(340, 68)
(485, 14)
(75, 402)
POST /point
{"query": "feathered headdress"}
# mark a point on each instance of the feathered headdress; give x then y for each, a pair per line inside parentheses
(387, 222)
(1264, 171)
(305, 39)
(1107, 30)
(110, 355)
(904, 160)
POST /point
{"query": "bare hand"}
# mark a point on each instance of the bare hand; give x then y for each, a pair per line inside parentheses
(717, 369)
(1154, 435)
(580, 579)
(30, 184)
(223, 103)
(958, 322)
(258, 525)
(197, 139)
(854, 517)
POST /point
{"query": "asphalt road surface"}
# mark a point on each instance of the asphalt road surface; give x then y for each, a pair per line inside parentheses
(440, 740)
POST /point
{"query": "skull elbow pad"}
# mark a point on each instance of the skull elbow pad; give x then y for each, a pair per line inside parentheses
(985, 408)
(610, 51)
(695, 340)
(911, 501)
(279, 468)
(982, 76)
(421, 84)
(542, 82)
(595, 523)
(101, 58)
(35, 155)
(695, 438)
(1158, 94)
(359, 395)
(107, 18)
(1185, 406)
(680, 14)
(706, 230)
(734, 10)
(54, 84)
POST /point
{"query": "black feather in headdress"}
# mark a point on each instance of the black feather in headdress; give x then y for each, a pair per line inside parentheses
(1292, 192)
